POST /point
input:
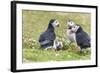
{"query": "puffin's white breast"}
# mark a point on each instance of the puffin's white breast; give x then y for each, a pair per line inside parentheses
(71, 36)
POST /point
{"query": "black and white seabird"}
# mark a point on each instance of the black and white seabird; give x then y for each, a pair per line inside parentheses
(48, 37)
(70, 33)
(77, 34)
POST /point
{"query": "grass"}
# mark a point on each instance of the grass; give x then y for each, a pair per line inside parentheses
(36, 22)
(38, 55)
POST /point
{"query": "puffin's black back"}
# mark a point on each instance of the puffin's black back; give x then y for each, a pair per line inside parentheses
(82, 38)
(50, 24)
(49, 35)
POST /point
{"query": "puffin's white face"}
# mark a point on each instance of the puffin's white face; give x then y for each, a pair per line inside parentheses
(70, 24)
(75, 28)
(55, 24)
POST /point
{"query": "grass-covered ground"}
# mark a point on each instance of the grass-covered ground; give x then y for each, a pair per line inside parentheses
(36, 22)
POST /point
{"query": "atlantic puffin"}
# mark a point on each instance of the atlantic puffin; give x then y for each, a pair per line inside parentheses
(48, 37)
(70, 33)
(78, 35)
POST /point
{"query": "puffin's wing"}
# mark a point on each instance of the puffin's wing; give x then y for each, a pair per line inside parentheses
(46, 38)
(83, 39)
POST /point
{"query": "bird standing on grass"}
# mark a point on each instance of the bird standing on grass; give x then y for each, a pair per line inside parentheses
(82, 38)
(48, 37)
(70, 33)
(77, 34)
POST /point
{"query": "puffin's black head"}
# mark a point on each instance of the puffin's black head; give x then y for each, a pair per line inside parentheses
(53, 23)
